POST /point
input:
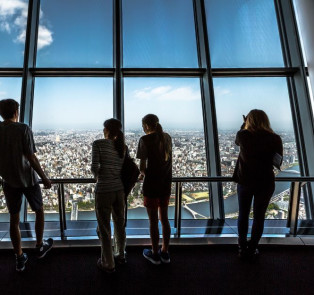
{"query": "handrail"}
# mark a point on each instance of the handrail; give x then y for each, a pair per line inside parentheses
(189, 179)
(292, 220)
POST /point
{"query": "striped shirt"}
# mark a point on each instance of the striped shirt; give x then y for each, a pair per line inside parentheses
(106, 166)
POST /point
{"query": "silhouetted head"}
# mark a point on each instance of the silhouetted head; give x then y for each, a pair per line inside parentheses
(113, 126)
(257, 120)
(113, 131)
(8, 108)
(150, 123)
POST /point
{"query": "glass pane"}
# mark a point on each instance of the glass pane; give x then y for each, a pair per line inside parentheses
(10, 88)
(237, 96)
(177, 103)
(195, 200)
(80, 202)
(75, 34)
(13, 20)
(68, 116)
(159, 33)
(250, 37)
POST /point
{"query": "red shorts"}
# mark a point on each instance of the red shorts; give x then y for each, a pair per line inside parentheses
(154, 203)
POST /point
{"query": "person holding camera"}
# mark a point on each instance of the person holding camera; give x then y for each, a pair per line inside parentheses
(255, 176)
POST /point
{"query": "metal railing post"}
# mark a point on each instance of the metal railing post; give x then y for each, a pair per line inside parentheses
(60, 211)
(179, 209)
(292, 222)
(176, 206)
(63, 207)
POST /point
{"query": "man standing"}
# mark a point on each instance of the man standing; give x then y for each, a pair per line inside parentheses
(18, 164)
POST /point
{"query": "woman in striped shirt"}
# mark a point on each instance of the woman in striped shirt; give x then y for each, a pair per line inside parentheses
(107, 159)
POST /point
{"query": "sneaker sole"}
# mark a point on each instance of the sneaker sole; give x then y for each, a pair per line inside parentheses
(152, 260)
(22, 269)
(42, 256)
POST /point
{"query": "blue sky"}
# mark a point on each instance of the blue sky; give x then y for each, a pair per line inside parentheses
(156, 33)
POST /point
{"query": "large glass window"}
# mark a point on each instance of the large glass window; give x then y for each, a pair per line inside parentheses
(243, 34)
(177, 103)
(75, 34)
(159, 33)
(68, 116)
(236, 97)
(13, 19)
(68, 112)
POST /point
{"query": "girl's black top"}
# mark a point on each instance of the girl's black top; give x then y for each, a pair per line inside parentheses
(158, 174)
(254, 166)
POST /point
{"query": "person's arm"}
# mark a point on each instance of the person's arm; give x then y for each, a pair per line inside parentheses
(29, 151)
(238, 136)
(279, 146)
(33, 161)
(142, 155)
(142, 169)
(95, 160)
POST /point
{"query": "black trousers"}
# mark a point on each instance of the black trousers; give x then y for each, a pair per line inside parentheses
(262, 197)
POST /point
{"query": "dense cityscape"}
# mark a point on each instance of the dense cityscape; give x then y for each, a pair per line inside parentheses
(67, 154)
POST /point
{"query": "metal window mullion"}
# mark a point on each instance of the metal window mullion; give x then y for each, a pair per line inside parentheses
(299, 92)
(118, 91)
(26, 107)
(209, 112)
(29, 62)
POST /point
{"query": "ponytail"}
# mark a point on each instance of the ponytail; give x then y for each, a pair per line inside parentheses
(119, 143)
(114, 127)
(163, 146)
(153, 122)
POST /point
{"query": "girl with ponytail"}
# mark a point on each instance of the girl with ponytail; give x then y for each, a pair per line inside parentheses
(107, 159)
(155, 154)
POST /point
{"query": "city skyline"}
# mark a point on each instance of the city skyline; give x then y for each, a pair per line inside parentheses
(67, 154)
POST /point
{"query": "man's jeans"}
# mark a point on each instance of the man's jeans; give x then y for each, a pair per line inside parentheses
(262, 197)
(106, 204)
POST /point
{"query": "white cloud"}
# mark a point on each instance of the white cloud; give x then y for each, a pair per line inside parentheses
(167, 93)
(44, 37)
(5, 27)
(10, 7)
(13, 15)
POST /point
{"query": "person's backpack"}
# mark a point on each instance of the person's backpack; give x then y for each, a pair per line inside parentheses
(129, 176)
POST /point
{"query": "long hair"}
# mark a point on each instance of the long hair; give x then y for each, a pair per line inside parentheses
(152, 122)
(257, 120)
(114, 127)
